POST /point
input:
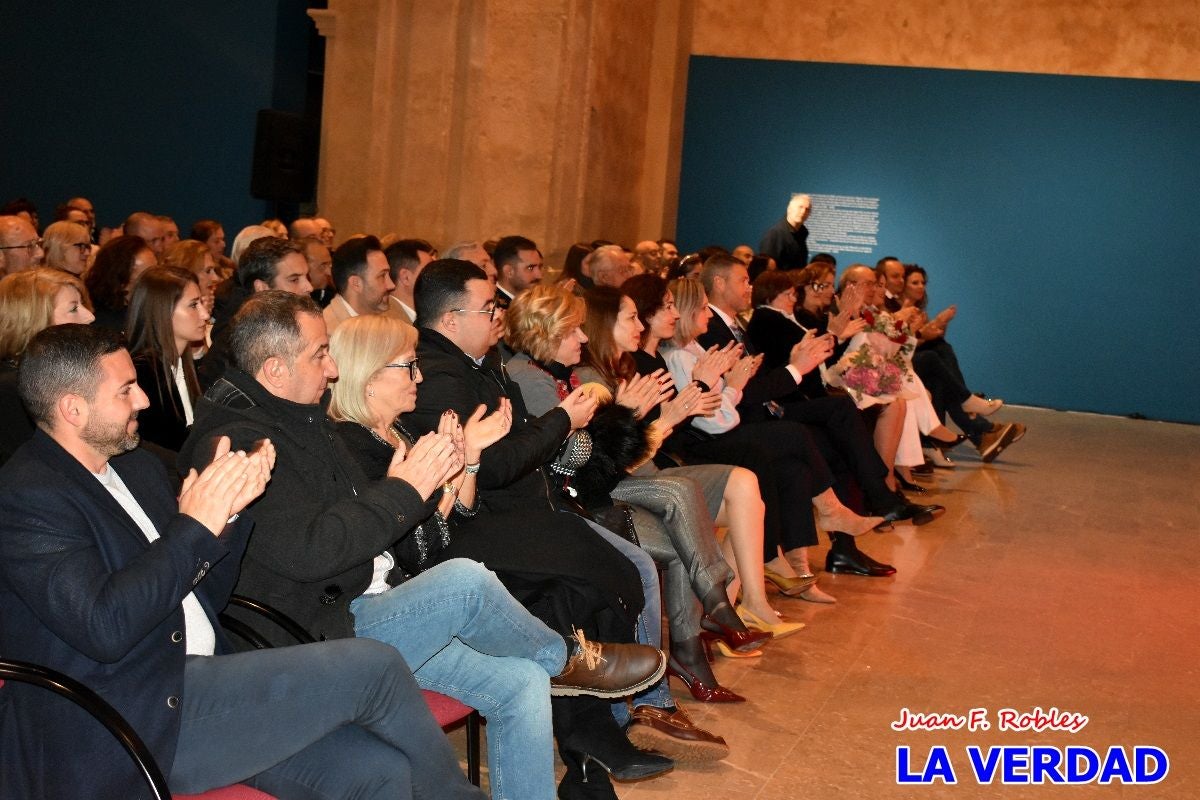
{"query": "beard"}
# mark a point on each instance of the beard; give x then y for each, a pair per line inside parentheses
(110, 438)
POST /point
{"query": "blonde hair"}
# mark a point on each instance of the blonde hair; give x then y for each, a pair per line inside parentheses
(689, 298)
(60, 235)
(538, 319)
(186, 254)
(361, 346)
(27, 305)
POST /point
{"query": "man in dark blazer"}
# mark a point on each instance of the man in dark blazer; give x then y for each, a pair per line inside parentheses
(106, 577)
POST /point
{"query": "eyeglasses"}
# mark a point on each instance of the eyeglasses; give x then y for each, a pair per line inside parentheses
(816, 287)
(490, 311)
(36, 244)
(411, 366)
(83, 247)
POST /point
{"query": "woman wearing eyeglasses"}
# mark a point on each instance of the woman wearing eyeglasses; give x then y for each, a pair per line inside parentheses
(67, 247)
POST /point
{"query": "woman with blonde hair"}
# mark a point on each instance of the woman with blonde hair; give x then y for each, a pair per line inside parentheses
(197, 258)
(67, 247)
(30, 301)
(378, 378)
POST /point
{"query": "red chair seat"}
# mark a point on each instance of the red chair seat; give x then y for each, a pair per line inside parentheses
(446, 710)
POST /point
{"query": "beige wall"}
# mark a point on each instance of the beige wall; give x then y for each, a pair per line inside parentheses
(563, 119)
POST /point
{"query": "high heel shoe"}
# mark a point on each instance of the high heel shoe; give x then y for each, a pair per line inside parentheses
(833, 516)
(792, 587)
(619, 758)
(711, 640)
(909, 486)
(705, 694)
(740, 641)
(779, 629)
(943, 444)
(978, 405)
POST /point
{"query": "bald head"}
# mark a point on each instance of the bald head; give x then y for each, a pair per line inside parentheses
(149, 227)
(22, 248)
(304, 228)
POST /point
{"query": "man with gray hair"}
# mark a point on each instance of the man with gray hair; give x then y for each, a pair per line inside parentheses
(20, 247)
(787, 240)
(609, 265)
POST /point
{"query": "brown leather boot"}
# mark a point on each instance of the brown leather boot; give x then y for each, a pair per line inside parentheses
(608, 670)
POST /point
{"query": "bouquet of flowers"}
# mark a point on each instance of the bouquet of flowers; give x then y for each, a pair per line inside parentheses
(877, 365)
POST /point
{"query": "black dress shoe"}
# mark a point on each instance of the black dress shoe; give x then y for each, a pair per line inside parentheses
(941, 444)
(914, 513)
(909, 486)
(856, 562)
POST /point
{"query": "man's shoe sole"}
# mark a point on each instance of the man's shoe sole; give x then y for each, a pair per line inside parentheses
(989, 454)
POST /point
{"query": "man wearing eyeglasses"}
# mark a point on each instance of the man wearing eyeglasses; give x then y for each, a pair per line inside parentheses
(20, 247)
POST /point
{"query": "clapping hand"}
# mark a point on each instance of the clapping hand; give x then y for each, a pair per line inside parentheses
(742, 370)
(580, 406)
(715, 362)
(846, 323)
(230, 482)
(430, 462)
(810, 351)
(482, 432)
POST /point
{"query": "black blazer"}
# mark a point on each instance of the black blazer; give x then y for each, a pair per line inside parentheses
(509, 474)
(84, 592)
(163, 423)
(765, 386)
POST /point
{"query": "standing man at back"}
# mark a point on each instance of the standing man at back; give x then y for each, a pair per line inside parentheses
(787, 240)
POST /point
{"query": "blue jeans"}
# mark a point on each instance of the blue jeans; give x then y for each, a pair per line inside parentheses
(341, 719)
(465, 636)
(649, 623)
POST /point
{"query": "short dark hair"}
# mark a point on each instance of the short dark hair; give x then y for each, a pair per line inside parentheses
(508, 248)
(769, 285)
(60, 360)
(405, 254)
(203, 229)
(441, 286)
(351, 259)
(825, 258)
(266, 327)
(879, 264)
(108, 279)
(718, 264)
(260, 260)
(648, 293)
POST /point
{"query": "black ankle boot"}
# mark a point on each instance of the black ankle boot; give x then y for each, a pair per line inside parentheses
(578, 785)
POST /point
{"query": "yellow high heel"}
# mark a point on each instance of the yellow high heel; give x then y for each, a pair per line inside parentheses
(779, 629)
(729, 652)
(792, 587)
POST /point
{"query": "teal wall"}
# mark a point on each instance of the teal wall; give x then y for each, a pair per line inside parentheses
(144, 105)
(1057, 212)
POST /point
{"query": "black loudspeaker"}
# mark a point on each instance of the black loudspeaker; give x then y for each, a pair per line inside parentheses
(285, 157)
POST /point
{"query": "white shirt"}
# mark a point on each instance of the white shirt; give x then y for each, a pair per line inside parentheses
(181, 385)
(682, 361)
(201, 639)
(409, 312)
